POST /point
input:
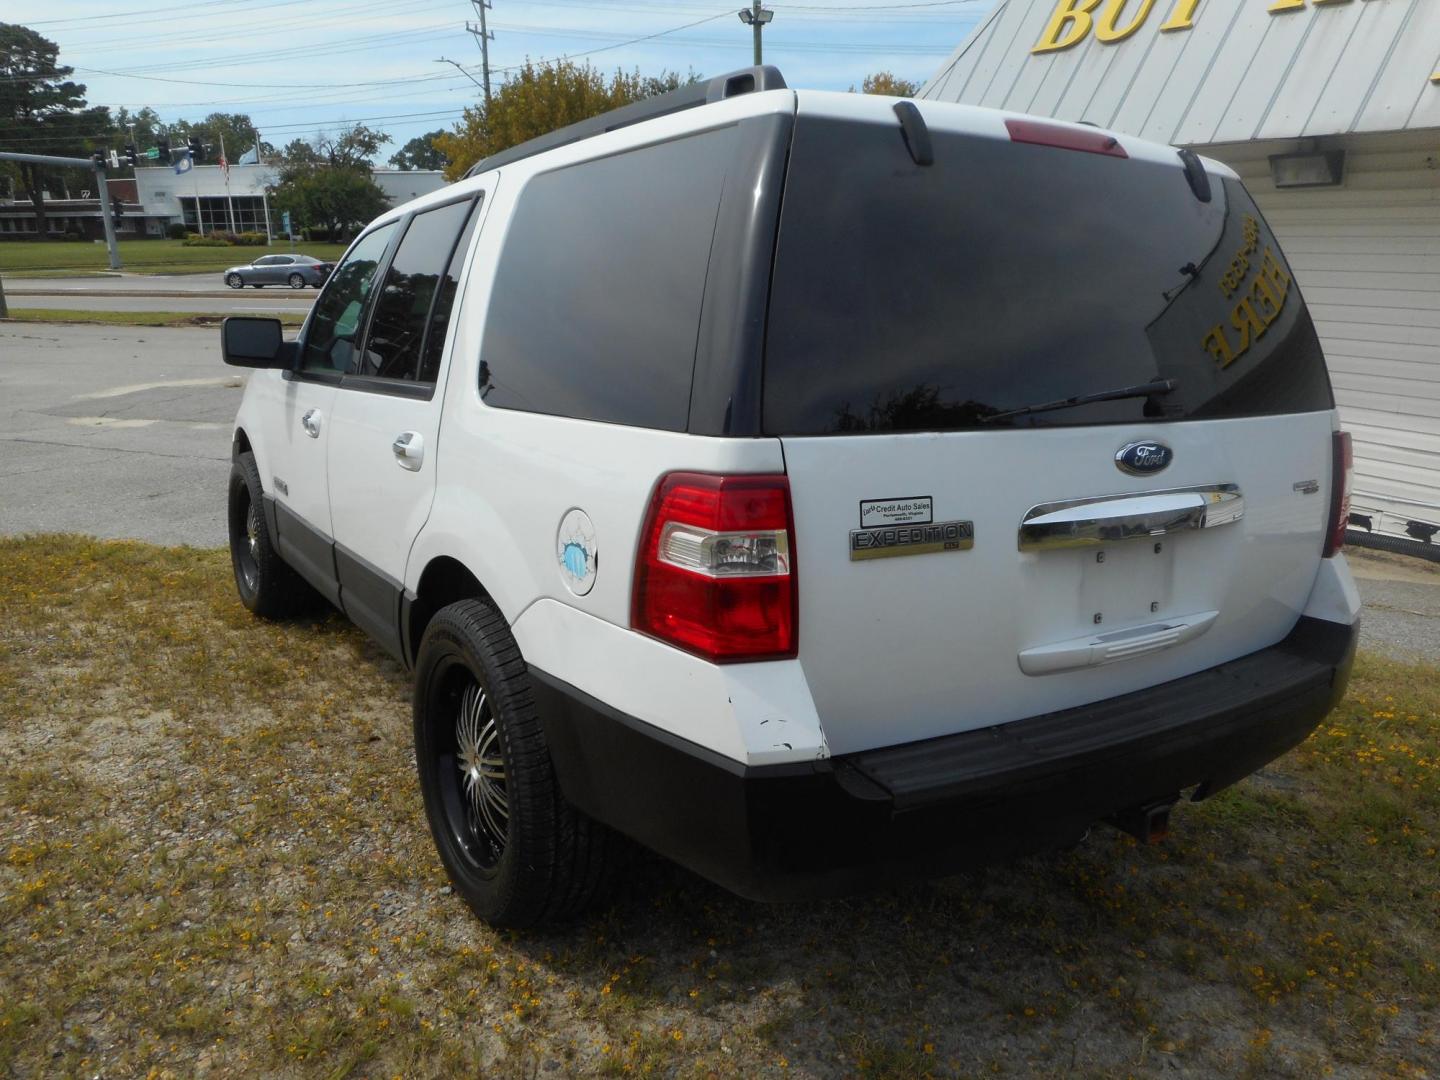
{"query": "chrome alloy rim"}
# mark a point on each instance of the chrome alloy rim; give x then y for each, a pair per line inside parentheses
(250, 567)
(482, 770)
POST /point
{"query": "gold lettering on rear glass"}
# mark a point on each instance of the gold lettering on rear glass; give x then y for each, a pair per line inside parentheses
(1259, 302)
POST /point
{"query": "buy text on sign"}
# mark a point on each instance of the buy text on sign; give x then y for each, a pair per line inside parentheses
(1116, 20)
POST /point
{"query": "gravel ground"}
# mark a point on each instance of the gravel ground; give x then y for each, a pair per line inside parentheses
(1402, 604)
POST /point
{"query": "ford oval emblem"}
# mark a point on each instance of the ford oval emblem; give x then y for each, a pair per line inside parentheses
(1143, 458)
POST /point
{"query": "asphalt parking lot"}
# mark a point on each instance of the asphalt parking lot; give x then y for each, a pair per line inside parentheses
(125, 433)
(117, 432)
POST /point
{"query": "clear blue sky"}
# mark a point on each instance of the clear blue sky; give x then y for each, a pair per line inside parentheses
(300, 67)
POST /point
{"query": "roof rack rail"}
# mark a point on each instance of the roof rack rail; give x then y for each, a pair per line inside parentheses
(745, 81)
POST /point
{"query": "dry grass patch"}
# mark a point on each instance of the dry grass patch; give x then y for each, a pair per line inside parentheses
(213, 859)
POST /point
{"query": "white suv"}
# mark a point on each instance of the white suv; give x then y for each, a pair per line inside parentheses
(811, 487)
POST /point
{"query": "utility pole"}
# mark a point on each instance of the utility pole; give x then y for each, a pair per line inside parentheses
(94, 164)
(484, 36)
(756, 17)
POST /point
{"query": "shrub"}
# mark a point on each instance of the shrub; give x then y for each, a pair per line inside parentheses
(251, 239)
(177, 231)
(213, 240)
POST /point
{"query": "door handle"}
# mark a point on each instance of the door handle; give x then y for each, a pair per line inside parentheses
(1106, 520)
(311, 423)
(409, 448)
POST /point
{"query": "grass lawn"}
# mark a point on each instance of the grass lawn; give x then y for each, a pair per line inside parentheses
(214, 858)
(135, 318)
(59, 258)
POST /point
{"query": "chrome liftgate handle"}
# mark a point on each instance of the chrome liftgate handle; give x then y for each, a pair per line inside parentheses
(1106, 520)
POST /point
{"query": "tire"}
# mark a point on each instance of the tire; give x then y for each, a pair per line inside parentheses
(266, 583)
(235, 281)
(527, 857)
(296, 281)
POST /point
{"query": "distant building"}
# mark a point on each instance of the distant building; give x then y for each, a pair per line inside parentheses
(203, 199)
(74, 217)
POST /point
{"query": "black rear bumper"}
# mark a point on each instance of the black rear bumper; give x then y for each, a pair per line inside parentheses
(847, 823)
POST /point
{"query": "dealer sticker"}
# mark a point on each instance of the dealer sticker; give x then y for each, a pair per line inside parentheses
(876, 513)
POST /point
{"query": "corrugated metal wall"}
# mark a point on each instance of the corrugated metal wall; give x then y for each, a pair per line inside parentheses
(1241, 72)
(1367, 256)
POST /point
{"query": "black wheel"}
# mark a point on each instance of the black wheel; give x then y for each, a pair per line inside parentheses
(296, 281)
(267, 585)
(516, 851)
(235, 281)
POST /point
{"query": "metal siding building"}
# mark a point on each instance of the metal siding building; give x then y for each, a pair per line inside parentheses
(1247, 79)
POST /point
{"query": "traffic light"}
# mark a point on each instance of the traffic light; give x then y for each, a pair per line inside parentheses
(195, 148)
(131, 157)
(162, 144)
(98, 159)
(117, 207)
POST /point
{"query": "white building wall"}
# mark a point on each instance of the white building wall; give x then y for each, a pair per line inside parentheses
(1367, 257)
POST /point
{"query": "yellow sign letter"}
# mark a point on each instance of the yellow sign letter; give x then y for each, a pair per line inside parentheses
(1069, 24)
(1105, 28)
(1182, 18)
(1286, 5)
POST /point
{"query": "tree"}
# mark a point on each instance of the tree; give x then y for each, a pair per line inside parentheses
(42, 111)
(299, 152)
(353, 148)
(327, 184)
(882, 82)
(420, 153)
(539, 99)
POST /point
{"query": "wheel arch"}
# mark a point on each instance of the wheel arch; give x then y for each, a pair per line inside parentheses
(239, 444)
(443, 581)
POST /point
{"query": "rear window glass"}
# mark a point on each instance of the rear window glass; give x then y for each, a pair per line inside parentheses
(596, 304)
(1003, 276)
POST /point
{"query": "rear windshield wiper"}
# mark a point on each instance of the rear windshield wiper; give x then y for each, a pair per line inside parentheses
(1155, 388)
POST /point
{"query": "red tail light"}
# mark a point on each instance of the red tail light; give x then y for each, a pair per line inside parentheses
(1344, 463)
(715, 573)
(1064, 138)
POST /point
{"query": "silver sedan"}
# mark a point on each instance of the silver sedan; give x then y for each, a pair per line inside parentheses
(297, 271)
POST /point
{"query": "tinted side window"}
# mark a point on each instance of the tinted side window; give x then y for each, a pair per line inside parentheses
(338, 315)
(597, 296)
(444, 302)
(1005, 275)
(402, 307)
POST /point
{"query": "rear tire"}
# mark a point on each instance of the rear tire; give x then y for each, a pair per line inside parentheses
(296, 281)
(515, 850)
(266, 583)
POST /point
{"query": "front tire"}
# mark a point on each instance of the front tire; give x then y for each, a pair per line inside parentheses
(235, 281)
(266, 583)
(515, 850)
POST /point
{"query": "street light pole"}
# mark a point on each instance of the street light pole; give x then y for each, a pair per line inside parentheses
(756, 17)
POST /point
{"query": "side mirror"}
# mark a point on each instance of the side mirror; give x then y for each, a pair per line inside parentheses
(254, 343)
